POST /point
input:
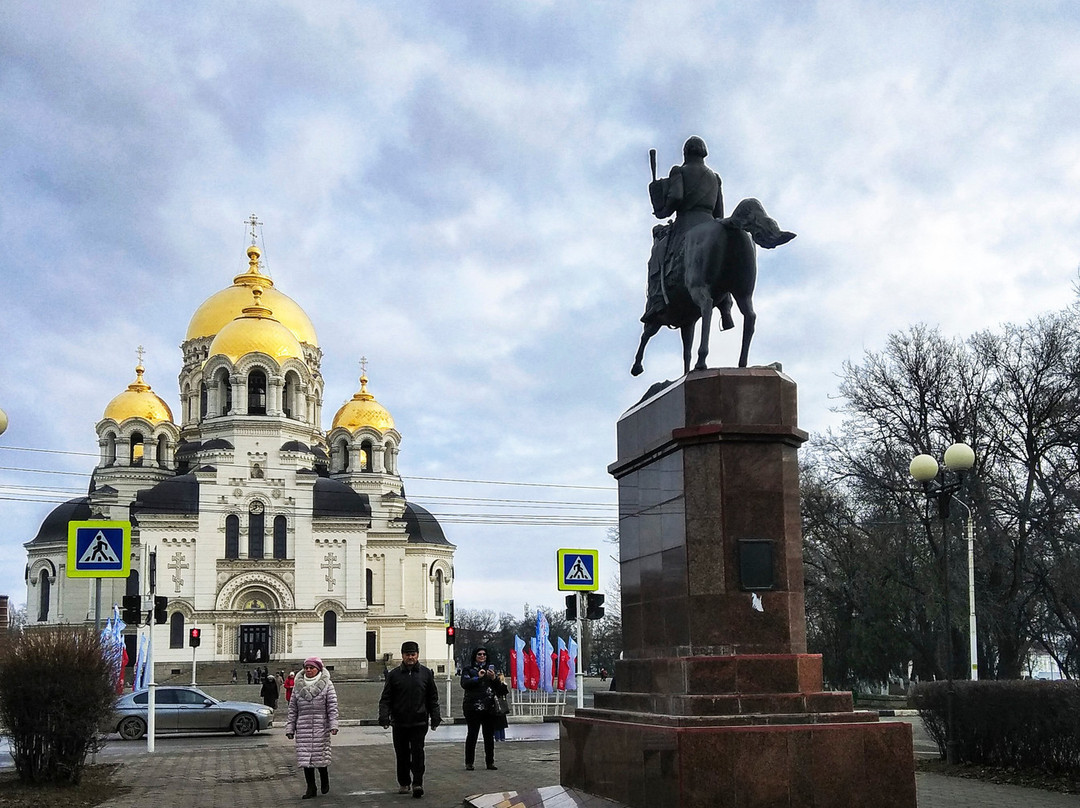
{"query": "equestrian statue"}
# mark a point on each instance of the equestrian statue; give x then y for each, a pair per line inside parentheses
(701, 261)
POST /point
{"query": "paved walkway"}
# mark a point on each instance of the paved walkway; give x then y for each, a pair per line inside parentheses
(261, 772)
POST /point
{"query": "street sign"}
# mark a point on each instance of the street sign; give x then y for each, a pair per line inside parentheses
(99, 549)
(577, 570)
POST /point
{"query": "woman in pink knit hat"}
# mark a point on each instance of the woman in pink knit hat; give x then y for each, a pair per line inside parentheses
(313, 718)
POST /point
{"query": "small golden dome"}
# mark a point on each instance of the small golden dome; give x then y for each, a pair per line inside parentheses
(138, 401)
(255, 331)
(363, 410)
(223, 307)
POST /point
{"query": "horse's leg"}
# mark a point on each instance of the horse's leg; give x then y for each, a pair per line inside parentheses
(687, 334)
(706, 324)
(724, 305)
(749, 319)
(647, 333)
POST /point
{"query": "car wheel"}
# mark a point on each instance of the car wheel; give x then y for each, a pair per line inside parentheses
(131, 728)
(244, 724)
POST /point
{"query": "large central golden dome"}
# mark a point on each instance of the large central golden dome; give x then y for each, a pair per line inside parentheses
(256, 331)
(138, 401)
(222, 308)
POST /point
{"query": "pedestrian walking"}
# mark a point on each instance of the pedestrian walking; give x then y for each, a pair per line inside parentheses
(234, 676)
(290, 682)
(482, 686)
(410, 700)
(313, 718)
(269, 692)
(249, 676)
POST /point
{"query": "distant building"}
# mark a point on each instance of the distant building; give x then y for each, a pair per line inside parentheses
(281, 541)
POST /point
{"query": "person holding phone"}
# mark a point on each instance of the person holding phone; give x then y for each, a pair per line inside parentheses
(482, 684)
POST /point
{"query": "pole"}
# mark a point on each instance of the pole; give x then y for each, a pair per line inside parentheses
(97, 605)
(449, 676)
(950, 738)
(579, 673)
(151, 698)
(973, 634)
(193, 650)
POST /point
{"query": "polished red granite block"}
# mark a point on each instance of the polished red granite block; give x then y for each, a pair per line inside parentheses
(862, 765)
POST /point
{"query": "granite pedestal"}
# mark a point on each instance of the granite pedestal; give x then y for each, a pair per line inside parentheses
(718, 703)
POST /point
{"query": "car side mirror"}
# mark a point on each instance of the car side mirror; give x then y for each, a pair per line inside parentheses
(207, 703)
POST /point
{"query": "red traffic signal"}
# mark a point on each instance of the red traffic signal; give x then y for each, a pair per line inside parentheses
(449, 635)
(194, 637)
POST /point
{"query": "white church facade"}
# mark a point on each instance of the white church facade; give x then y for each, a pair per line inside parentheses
(277, 539)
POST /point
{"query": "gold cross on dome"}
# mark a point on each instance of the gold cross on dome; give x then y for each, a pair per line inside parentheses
(140, 351)
(363, 366)
(254, 222)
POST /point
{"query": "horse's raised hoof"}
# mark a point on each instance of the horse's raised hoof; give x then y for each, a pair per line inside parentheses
(700, 366)
(637, 369)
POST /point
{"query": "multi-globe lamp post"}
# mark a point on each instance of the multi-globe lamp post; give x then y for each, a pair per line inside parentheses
(942, 484)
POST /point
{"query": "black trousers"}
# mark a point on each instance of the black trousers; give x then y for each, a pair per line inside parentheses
(409, 750)
(478, 722)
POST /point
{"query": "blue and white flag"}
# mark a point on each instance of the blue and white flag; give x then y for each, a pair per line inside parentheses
(572, 647)
(139, 681)
(543, 651)
(519, 662)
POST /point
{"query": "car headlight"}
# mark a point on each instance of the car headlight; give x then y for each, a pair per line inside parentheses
(266, 711)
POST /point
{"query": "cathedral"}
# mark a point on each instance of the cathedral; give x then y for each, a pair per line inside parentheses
(277, 539)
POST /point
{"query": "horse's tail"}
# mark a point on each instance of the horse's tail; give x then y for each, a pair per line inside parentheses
(750, 215)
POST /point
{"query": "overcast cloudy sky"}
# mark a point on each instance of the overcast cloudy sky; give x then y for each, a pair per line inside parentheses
(457, 191)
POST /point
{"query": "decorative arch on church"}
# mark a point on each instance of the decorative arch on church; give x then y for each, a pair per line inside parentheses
(292, 403)
(254, 591)
(439, 573)
(339, 455)
(390, 457)
(108, 448)
(256, 391)
(366, 456)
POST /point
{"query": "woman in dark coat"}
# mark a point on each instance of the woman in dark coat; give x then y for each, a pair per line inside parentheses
(313, 718)
(269, 692)
(481, 684)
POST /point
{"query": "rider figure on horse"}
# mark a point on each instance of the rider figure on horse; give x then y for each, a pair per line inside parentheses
(692, 194)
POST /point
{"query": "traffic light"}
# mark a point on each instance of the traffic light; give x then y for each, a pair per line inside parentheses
(132, 613)
(449, 635)
(161, 613)
(571, 606)
(194, 637)
(449, 612)
(594, 606)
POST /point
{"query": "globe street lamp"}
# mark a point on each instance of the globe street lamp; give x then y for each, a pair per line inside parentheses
(942, 485)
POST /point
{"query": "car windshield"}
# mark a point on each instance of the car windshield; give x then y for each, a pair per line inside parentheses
(174, 695)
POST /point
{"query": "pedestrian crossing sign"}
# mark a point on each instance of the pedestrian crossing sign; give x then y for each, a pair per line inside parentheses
(577, 570)
(99, 549)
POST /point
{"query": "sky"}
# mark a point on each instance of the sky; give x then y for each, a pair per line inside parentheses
(458, 192)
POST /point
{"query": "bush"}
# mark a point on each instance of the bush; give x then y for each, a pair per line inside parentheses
(56, 689)
(1014, 724)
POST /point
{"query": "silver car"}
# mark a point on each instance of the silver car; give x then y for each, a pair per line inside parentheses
(188, 709)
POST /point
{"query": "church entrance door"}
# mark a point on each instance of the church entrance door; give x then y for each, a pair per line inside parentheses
(254, 643)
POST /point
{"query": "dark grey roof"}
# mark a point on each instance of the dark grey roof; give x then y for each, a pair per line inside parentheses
(307, 471)
(55, 526)
(189, 447)
(336, 500)
(217, 443)
(178, 495)
(320, 453)
(421, 526)
(295, 446)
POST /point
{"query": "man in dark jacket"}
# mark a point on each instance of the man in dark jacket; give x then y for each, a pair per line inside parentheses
(409, 700)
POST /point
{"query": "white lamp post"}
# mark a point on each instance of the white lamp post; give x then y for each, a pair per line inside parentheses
(959, 458)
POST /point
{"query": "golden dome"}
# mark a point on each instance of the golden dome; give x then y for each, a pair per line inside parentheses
(222, 308)
(138, 401)
(255, 331)
(363, 410)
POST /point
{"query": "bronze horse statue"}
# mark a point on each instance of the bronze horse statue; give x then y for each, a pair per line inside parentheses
(720, 269)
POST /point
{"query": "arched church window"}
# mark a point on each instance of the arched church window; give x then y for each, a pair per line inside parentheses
(110, 449)
(224, 386)
(161, 446)
(176, 630)
(365, 456)
(329, 629)
(256, 392)
(288, 395)
(280, 543)
(369, 583)
(43, 596)
(256, 530)
(342, 455)
(389, 459)
(438, 592)
(137, 449)
(204, 400)
(232, 536)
